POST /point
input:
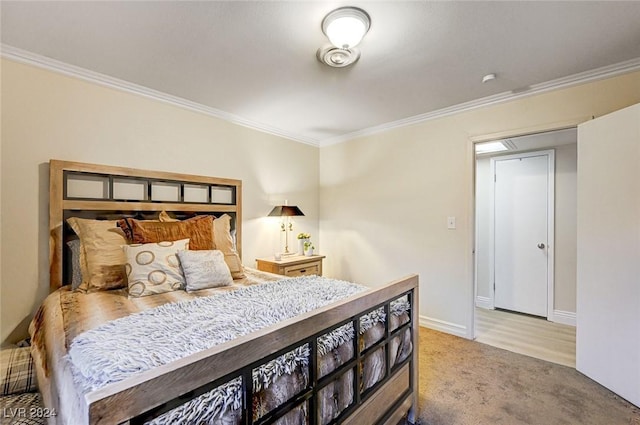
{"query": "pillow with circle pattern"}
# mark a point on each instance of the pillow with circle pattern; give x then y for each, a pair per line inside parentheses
(154, 268)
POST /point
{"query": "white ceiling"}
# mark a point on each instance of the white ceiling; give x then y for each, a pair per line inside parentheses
(255, 61)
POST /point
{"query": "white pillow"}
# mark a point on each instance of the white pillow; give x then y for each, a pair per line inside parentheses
(154, 268)
(204, 269)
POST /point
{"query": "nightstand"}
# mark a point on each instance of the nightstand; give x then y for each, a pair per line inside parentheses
(294, 265)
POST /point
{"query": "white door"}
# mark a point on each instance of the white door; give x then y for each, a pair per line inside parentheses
(608, 273)
(521, 232)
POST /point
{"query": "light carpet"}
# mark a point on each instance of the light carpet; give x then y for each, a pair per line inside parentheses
(464, 382)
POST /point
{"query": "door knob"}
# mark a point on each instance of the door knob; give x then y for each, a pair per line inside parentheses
(541, 245)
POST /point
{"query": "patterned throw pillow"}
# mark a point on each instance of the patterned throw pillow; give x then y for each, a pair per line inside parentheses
(23, 409)
(154, 268)
(76, 268)
(204, 269)
(17, 372)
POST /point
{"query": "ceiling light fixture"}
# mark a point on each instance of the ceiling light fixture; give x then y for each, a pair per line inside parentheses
(344, 27)
(497, 146)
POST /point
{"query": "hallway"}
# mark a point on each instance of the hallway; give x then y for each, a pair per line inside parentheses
(527, 335)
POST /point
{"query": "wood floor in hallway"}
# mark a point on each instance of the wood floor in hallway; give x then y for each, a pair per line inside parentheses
(531, 336)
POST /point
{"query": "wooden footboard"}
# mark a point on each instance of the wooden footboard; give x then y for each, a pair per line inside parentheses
(152, 393)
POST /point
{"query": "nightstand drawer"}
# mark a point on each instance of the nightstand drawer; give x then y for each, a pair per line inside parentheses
(295, 265)
(303, 269)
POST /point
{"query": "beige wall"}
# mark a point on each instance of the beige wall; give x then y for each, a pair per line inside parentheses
(46, 115)
(565, 227)
(385, 198)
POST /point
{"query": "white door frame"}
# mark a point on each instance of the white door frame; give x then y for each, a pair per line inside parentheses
(471, 199)
(550, 153)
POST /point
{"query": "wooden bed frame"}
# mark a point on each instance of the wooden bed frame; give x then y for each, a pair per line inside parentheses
(151, 393)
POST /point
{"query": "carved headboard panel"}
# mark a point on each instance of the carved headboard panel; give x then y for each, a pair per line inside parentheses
(106, 192)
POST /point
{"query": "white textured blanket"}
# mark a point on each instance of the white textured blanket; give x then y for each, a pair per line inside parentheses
(142, 341)
(139, 342)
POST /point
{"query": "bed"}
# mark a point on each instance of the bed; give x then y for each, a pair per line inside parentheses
(259, 349)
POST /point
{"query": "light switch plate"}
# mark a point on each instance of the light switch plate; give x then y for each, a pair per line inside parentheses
(451, 222)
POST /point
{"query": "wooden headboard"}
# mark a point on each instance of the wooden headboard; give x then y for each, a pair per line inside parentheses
(106, 192)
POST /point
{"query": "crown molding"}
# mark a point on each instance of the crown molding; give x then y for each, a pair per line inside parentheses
(30, 58)
(560, 83)
(24, 56)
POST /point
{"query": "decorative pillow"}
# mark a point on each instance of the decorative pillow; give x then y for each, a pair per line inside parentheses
(204, 269)
(101, 242)
(224, 242)
(76, 268)
(233, 238)
(199, 230)
(25, 408)
(17, 372)
(166, 218)
(154, 268)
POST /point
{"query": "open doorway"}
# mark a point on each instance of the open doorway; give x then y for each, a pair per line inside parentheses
(525, 244)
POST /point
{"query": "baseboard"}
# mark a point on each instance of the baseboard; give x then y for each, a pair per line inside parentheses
(564, 317)
(443, 326)
(484, 302)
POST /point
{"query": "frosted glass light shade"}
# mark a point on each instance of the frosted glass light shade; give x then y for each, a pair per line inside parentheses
(345, 27)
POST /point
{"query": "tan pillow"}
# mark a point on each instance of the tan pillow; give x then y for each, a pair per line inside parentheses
(166, 218)
(154, 268)
(100, 246)
(224, 242)
(199, 230)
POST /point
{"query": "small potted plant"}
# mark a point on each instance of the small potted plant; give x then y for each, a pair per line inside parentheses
(302, 238)
(308, 248)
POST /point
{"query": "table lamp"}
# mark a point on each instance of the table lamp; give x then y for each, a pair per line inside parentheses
(286, 211)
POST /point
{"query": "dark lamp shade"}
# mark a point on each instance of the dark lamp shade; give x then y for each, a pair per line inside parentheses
(285, 210)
